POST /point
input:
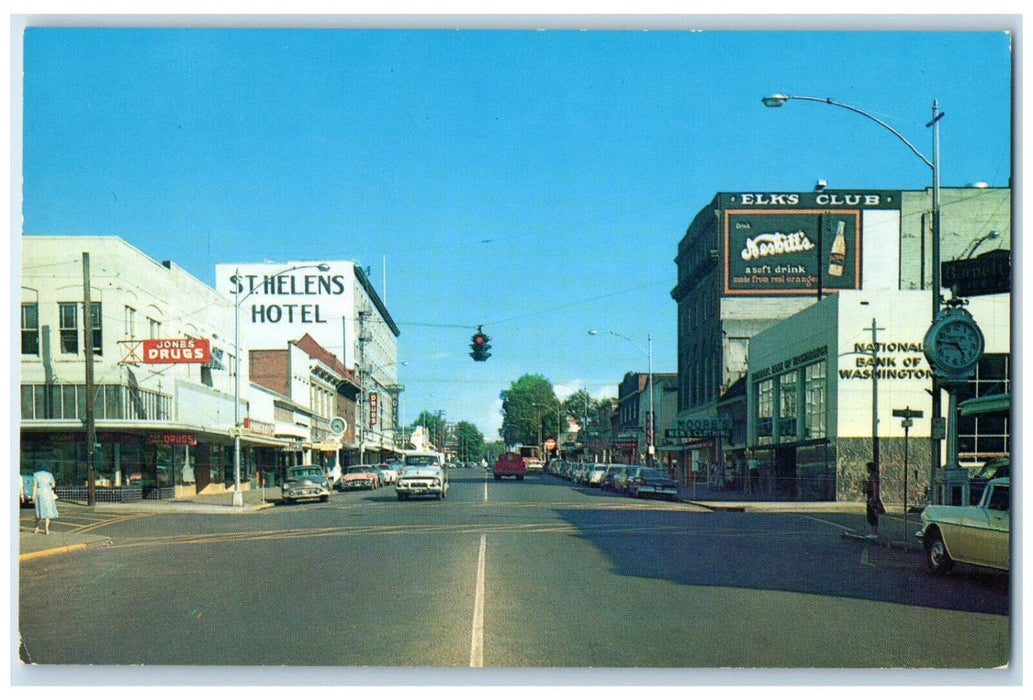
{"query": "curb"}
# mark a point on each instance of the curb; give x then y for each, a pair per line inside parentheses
(51, 552)
(888, 544)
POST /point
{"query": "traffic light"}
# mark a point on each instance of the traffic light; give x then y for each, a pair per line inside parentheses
(480, 346)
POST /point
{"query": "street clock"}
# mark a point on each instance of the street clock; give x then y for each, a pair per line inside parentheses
(337, 426)
(954, 344)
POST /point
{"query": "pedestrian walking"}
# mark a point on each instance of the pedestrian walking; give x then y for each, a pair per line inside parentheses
(873, 503)
(44, 497)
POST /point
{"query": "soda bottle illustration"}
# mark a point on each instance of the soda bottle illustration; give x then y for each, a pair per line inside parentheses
(837, 256)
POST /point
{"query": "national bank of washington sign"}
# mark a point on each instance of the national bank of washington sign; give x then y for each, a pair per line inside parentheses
(796, 243)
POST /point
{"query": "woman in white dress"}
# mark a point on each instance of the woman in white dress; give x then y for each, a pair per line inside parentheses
(43, 495)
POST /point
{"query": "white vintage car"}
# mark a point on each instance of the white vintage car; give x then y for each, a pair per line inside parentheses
(421, 480)
(978, 534)
(305, 482)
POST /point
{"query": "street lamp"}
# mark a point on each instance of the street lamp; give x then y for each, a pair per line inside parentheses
(777, 100)
(974, 245)
(238, 496)
(650, 424)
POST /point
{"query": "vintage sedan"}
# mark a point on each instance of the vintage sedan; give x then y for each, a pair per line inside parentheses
(978, 534)
(360, 476)
(646, 481)
(306, 482)
(388, 472)
(422, 480)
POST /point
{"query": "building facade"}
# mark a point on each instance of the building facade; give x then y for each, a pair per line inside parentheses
(631, 422)
(334, 303)
(749, 260)
(824, 383)
(163, 425)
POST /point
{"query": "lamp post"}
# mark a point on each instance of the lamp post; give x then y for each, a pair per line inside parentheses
(974, 245)
(777, 100)
(238, 496)
(650, 427)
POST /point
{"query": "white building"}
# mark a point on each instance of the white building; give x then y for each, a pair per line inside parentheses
(334, 302)
(822, 384)
(163, 427)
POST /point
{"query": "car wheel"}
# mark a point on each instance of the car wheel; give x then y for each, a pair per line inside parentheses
(936, 554)
(520, 477)
(401, 497)
(325, 498)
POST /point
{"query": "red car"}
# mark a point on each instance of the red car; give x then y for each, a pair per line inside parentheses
(510, 464)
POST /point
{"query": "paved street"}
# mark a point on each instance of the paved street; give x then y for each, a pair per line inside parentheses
(533, 574)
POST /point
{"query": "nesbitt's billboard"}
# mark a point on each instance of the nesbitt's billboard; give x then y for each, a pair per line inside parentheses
(791, 251)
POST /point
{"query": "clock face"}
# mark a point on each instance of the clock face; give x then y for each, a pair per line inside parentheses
(958, 344)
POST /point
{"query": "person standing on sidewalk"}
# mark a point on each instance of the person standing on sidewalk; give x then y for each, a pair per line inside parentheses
(45, 499)
(873, 507)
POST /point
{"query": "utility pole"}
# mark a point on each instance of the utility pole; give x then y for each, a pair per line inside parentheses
(90, 419)
(875, 398)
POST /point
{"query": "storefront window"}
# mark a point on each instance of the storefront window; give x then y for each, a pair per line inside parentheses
(814, 397)
(986, 436)
(787, 404)
(765, 412)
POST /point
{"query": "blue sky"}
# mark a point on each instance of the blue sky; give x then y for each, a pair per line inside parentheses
(535, 182)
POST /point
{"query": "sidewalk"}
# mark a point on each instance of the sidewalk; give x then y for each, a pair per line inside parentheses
(894, 530)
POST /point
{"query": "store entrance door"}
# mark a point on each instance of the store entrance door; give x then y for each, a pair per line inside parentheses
(785, 472)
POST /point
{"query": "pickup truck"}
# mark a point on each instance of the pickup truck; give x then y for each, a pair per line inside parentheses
(510, 464)
(978, 534)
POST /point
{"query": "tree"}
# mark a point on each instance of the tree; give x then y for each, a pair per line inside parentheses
(593, 415)
(526, 409)
(469, 442)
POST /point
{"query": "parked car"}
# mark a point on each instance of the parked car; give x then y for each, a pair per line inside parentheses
(647, 481)
(998, 468)
(978, 534)
(360, 476)
(306, 482)
(595, 475)
(422, 480)
(619, 480)
(612, 470)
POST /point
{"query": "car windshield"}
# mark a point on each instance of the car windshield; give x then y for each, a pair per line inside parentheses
(361, 469)
(420, 461)
(304, 473)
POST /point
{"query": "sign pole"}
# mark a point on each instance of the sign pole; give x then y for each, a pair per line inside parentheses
(908, 415)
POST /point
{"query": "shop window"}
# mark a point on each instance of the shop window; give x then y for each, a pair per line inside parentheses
(787, 406)
(983, 437)
(814, 398)
(765, 412)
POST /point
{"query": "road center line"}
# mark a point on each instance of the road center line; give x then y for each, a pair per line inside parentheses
(477, 636)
